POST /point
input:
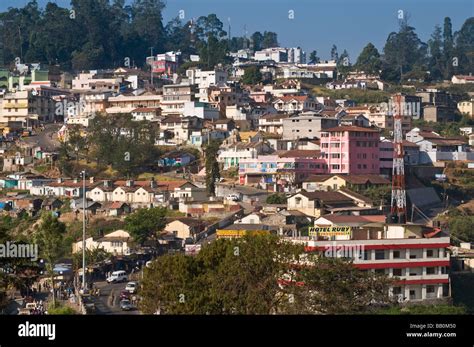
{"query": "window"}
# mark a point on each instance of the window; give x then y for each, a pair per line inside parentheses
(379, 254)
(380, 271)
(430, 289)
(396, 254)
(430, 270)
(397, 272)
(397, 290)
(429, 253)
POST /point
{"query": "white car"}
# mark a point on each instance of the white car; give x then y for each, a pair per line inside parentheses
(233, 197)
(117, 276)
(131, 287)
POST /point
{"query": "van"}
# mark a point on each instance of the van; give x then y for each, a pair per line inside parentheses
(117, 276)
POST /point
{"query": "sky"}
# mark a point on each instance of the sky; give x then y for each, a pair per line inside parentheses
(316, 24)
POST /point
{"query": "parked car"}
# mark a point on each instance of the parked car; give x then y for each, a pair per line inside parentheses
(124, 294)
(131, 287)
(117, 276)
(233, 197)
(126, 305)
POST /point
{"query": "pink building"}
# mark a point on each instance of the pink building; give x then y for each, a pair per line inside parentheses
(261, 97)
(351, 150)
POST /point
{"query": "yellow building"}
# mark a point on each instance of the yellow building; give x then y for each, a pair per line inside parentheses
(466, 107)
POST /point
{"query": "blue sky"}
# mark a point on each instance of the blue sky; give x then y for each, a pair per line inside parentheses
(317, 24)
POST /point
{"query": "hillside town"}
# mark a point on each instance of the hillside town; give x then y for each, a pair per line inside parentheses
(176, 153)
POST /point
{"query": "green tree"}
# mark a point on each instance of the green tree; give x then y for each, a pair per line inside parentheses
(448, 46)
(50, 237)
(343, 64)
(335, 286)
(276, 199)
(128, 146)
(145, 223)
(256, 40)
(462, 227)
(313, 57)
(436, 61)
(174, 285)
(259, 274)
(334, 54)
(403, 52)
(252, 75)
(369, 60)
(270, 39)
(464, 50)
(212, 166)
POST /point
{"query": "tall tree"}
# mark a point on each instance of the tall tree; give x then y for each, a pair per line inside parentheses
(256, 41)
(448, 46)
(404, 50)
(334, 54)
(369, 60)
(436, 60)
(343, 63)
(313, 57)
(270, 39)
(212, 45)
(465, 47)
(212, 166)
(49, 237)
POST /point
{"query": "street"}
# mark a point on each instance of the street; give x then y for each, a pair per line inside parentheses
(102, 303)
(46, 139)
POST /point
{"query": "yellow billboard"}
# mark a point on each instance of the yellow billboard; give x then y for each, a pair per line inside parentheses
(330, 231)
(221, 234)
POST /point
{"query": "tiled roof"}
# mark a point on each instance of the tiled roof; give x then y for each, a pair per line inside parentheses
(326, 196)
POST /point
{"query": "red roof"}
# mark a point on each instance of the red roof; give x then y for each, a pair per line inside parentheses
(296, 97)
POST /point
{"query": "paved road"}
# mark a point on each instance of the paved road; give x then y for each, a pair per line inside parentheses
(46, 139)
(104, 304)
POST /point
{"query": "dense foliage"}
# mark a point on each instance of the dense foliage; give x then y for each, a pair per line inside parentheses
(95, 34)
(258, 275)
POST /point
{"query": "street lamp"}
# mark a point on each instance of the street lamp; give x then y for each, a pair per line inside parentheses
(83, 230)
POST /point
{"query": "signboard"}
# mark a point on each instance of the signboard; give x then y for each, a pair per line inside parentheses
(239, 233)
(330, 231)
(440, 177)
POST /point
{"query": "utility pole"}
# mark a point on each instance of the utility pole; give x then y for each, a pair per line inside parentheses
(83, 231)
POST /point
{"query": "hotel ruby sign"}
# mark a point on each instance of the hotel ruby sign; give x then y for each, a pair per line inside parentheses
(330, 231)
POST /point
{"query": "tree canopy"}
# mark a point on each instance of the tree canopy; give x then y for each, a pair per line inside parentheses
(258, 274)
(145, 223)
